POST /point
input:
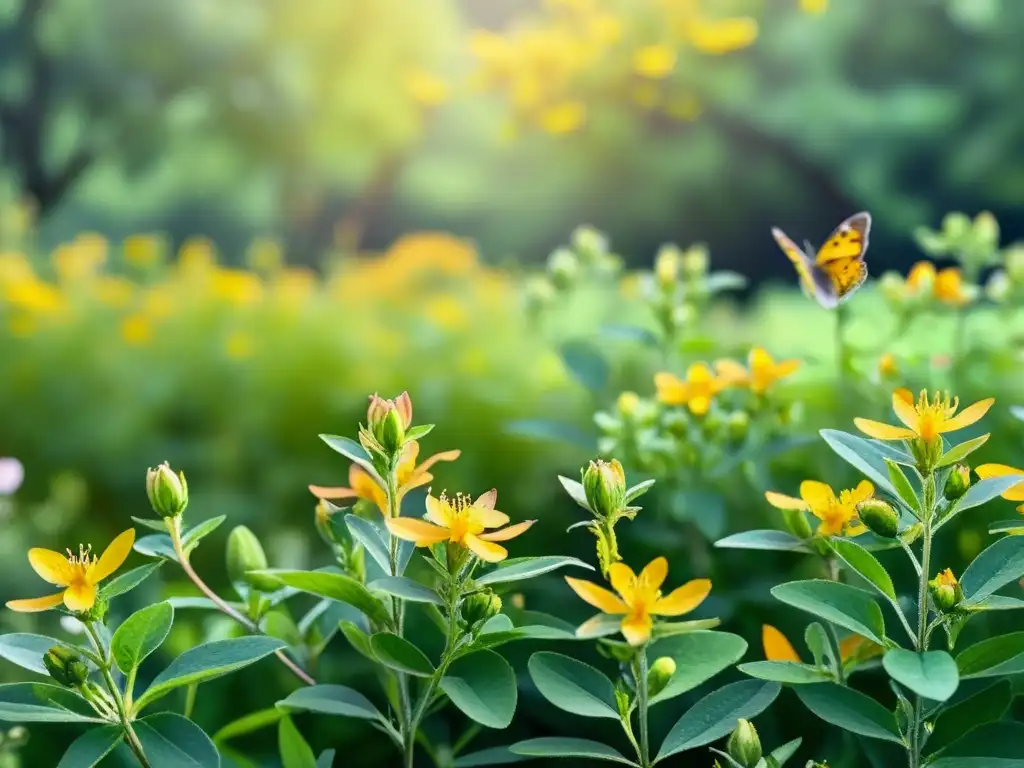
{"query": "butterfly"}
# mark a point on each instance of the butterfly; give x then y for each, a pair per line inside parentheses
(837, 270)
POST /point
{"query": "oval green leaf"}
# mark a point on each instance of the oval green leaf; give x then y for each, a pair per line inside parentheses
(850, 710)
(367, 534)
(91, 747)
(865, 564)
(43, 703)
(788, 672)
(562, 746)
(573, 686)
(699, 656)
(27, 650)
(932, 674)
(331, 700)
(962, 451)
(406, 589)
(140, 635)
(129, 580)
(529, 567)
(993, 569)
(770, 540)
(170, 739)
(398, 653)
(295, 750)
(996, 745)
(333, 586)
(994, 657)
(986, 706)
(491, 756)
(483, 687)
(843, 605)
(864, 455)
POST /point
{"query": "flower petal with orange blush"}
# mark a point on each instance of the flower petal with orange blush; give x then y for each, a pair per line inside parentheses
(329, 493)
(636, 628)
(816, 494)
(776, 646)
(438, 512)
(80, 596)
(683, 599)
(622, 579)
(653, 575)
(420, 532)
(904, 408)
(489, 518)
(968, 415)
(487, 500)
(485, 550)
(36, 604)
(504, 534)
(880, 431)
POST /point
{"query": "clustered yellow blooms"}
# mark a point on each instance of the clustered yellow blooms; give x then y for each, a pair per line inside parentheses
(924, 281)
(463, 522)
(639, 598)
(77, 575)
(838, 514)
(702, 384)
(778, 648)
(926, 419)
(1015, 493)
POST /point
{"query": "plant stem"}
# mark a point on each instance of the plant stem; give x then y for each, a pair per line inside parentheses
(122, 713)
(642, 702)
(841, 320)
(916, 741)
(174, 528)
(405, 715)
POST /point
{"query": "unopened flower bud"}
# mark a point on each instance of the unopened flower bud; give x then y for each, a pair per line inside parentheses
(738, 425)
(926, 452)
(986, 229)
(564, 268)
(388, 420)
(604, 483)
(744, 745)
(887, 366)
(627, 404)
(880, 518)
(245, 554)
(956, 225)
(667, 265)
(957, 483)
(796, 523)
(590, 244)
(695, 262)
(683, 315)
(945, 590)
(659, 674)
(479, 607)
(16, 738)
(167, 491)
(65, 666)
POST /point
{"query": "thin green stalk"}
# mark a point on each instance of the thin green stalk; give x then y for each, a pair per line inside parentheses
(842, 317)
(398, 612)
(122, 713)
(642, 703)
(916, 740)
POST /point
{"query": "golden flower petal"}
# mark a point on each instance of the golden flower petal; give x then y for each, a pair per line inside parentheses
(599, 597)
(623, 580)
(36, 604)
(507, 533)
(781, 501)
(329, 493)
(880, 431)
(113, 557)
(489, 518)
(776, 646)
(787, 368)
(1014, 493)
(51, 566)
(653, 575)
(904, 408)
(683, 599)
(420, 532)
(864, 491)
(817, 495)
(438, 512)
(731, 372)
(636, 628)
(80, 596)
(699, 405)
(485, 550)
(968, 415)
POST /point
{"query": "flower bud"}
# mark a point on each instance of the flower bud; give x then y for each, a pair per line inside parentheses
(880, 518)
(659, 674)
(167, 491)
(479, 607)
(605, 486)
(15, 738)
(245, 553)
(564, 267)
(957, 483)
(888, 368)
(590, 244)
(387, 421)
(796, 523)
(986, 229)
(945, 590)
(65, 666)
(695, 262)
(627, 404)
(667, 265)
(744, 745)
(738, 425)
(926, 452)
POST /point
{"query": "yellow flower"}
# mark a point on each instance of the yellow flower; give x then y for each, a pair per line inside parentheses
(143, 251)
(762, 374)
(1015, 493)
(78, 574)
(721, 36)
(814, 6)
(921, 277)
(654, 61)
(926, 419)
(136, 330)
(463, 522)
(566, 117)
(696, 392)
(887, 366)
(639, 597)
(426, 88)
(949, 287)
(778, 648)
(838, 514)
(363, 485)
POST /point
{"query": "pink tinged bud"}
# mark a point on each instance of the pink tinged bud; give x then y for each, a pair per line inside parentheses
(403, 403)
(377, 410)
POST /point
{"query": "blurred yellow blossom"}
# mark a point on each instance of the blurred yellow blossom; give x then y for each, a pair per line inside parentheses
(654, 61)
(34, 295)
(114, 291)
(838, 514)
(237, 286)
(888, 368)
(721, 36)
(814, 6)
(264, 255)
(137, 330)
(426, 88)
(196, 255)
(15, 266)
(143, 251)
(448, 313)
(949, 287)
(763, 372)
(562, 118)
(696, 392)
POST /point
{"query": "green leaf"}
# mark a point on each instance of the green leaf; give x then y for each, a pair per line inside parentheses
(638, 490)
(153, 523)
(483, 687)
(398, 653)
(573, 686)
(904, 490)
(156, 545)
(962, 451)
(1007, 526)
(843, 605)
(980, 493)
(170, 739)
(208, 661)
(295, 752)
(994, 568)
(665, 629)
(771, 540)
(333, 586)
(986, 706)
(91, 747)
(407, 589)
(586, 364)
(699, 656)
(995, 603)
(367, 534)
(199, 532)
(575, 491)
(818, 643)
(994, 657)
(357, 639)
(493, 639)
(419, 431)
(562, 746)
(996, 745)
(786, 751)
(43, 703)
(352, 451)
(27, 650)
(492, 756)
(140, 635)
(326, 759)
(932, 674)
(250, 723)
(128, 580)
(850, 710)
(864, 455)
(528, 568)
(716, 715)
(331, 700)
(866, 564)
(789, 672)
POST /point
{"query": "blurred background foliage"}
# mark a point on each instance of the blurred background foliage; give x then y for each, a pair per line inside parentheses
(226, 224)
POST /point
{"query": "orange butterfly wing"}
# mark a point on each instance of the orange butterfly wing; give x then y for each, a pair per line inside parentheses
(841, 257)
(800, 260)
